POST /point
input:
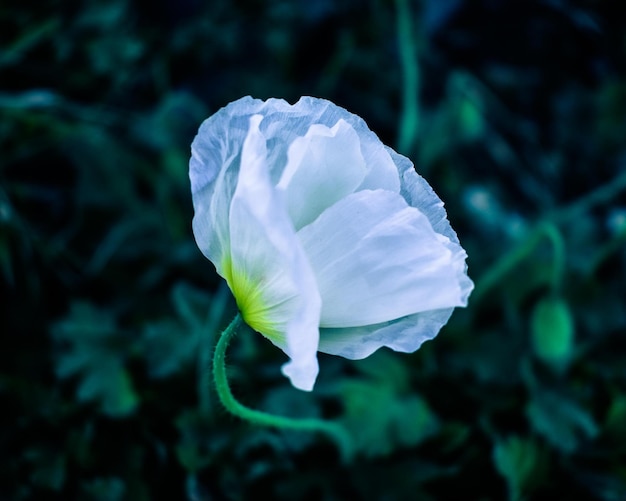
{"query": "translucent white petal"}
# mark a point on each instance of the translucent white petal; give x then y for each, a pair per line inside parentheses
(221, 136)
(267, 270)
(323, 166)
(418, 193)
(405, 335)
(213, 172)
(377, 259)
(283, 123)
(382, 171)
(219, 140)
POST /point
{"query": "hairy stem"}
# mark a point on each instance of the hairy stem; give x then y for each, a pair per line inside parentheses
(335, 431)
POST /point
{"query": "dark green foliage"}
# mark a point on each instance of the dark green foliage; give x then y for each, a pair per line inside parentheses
(109, 313)
(381, 411)
(522, 463)
(93, 354)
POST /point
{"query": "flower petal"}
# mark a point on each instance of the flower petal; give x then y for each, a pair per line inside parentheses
(213, 172)
(405, 335)
(284, 123)
(267, 270)
(323, 166)
(387, 263)
(384, 262)
(418, 193)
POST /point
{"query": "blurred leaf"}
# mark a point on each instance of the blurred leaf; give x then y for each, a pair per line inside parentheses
(611, 107)
(488, 358)
(168, 346)
(552, 330)
(96, 184)
(105, 489)
(414, 421)
(195, 446)
(122, 241)
(615, 421)
(563, 423)
(191, 304)
(387, 368)
(467, 108)
(108, 382)
(471, 121)
(173, 343)
(379, 412)
(522, 463)
(48, 468)
(286, 401)
(91, 349)
(171, 124)
(381, 421)
(603, 485)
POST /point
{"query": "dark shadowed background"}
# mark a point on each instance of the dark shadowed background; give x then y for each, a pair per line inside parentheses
(515, 112)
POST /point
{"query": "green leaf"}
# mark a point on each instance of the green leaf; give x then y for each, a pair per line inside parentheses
(413, 421)
(552, 331)
(91, 349)
(168, 347)
(173, 343)
(387, 368)
(615, 421)
(471, 122)
(560, 420)
(109, 383)
(380, 412)
(287, 401)
(380, 420)
(199, 440)
(105, 489)
(48, 468)
(522, 463)
(191, 304)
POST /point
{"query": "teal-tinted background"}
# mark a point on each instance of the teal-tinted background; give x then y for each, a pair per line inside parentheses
(515, 112)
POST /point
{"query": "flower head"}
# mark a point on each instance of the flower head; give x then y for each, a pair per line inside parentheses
(329, 240)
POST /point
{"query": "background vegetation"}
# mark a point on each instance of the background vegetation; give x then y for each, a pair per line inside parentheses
(513, 111)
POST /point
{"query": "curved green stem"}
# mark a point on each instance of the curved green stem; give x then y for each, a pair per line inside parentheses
(509, 261)
(602, 195)
(551, 232)
(409, 121)
(333, 430)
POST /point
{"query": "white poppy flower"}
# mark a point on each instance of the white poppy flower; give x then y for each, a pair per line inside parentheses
(329, 240)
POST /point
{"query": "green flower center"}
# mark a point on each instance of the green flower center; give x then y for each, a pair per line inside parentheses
(255, 312)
